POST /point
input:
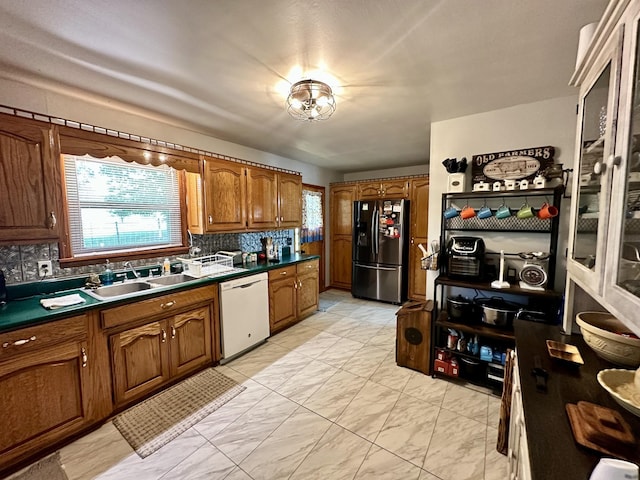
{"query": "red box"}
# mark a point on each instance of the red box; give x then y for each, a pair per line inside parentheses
(454, 368)
(441, 355)
(440, 366)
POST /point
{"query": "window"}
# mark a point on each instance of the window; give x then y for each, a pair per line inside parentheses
(116, 206)
(312, 221)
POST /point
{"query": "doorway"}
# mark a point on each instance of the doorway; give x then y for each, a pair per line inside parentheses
(312, 232)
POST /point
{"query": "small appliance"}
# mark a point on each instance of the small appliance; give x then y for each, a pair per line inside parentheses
(533, 275)
(465, 257)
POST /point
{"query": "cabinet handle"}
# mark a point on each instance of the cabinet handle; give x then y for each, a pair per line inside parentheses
(599, 168)
(164, 335)
(300, 283)
(283, 273)
(173, 332)
(282, 219)
(53, 221)
(83, 353)
(168, 304)
(17, 343)
(616, 160)
(295, 285)
(411, 240)
(210, 219)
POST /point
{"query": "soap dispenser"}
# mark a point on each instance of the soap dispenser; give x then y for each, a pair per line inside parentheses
(107, 275)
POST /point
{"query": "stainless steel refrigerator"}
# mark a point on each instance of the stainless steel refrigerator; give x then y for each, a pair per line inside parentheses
(380, 250)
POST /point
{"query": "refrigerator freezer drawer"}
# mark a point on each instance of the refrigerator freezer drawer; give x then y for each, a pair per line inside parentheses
(377, 282)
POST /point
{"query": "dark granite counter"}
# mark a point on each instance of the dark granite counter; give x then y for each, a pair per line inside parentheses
(553, 452)
(24, 311)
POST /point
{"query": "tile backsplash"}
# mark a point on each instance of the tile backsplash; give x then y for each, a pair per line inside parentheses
(20, 262)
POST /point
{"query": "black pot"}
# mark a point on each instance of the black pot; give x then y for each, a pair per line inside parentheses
(497, 312)
(461, 309)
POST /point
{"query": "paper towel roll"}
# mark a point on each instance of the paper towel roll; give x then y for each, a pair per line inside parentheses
(586, 34)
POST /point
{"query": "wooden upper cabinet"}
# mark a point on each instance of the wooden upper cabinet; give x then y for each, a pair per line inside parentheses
(341, 204)
(30, 180)
(383, 189)
(262, 198)
(195, 207)
(289, 200)
(224, 196)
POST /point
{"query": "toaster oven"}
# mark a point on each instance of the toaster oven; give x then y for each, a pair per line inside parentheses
(465, 257)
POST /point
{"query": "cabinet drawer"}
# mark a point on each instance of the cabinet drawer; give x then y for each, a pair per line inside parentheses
(306, 267)
(284, 272)
(33, 338)
(148, 308)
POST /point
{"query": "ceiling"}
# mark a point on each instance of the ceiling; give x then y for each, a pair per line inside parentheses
(216, 65)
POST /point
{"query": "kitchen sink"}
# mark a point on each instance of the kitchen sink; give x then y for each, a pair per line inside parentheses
(171, 279)
(110, 291)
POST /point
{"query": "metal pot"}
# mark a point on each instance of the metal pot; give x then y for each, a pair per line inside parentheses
(461, 309)
(497, 312)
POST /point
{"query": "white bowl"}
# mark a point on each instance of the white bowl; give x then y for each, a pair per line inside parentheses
(605, 334)
(614, 469)
(621, 386)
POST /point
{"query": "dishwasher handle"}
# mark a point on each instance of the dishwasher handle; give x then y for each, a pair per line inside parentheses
(246, 285)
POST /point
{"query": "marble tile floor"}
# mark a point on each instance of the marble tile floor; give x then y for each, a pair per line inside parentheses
(324, 400)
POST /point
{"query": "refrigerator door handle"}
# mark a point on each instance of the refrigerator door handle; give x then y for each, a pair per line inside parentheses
(374, 231)
(375, 268)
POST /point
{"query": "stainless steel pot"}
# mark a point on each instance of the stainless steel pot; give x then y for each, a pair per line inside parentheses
(497, 312)
(461, 309)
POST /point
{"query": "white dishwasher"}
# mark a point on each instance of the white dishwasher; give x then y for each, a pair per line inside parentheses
(244, 314)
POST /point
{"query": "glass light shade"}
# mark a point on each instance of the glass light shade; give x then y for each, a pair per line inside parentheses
(311, 100)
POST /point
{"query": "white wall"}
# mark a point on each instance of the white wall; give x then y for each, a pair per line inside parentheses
(422, 169)
(106, 113)
(550, 122)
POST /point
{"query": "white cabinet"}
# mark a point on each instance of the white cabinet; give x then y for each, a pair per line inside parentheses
(518, 451)
(604, 243)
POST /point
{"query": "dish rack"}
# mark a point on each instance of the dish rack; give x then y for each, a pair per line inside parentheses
(208, 265)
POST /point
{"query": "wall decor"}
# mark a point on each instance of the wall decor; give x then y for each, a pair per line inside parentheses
(516, 165)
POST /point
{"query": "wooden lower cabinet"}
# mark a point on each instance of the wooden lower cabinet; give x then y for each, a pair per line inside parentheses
(293, 294)
(190, 343)
(45, 393)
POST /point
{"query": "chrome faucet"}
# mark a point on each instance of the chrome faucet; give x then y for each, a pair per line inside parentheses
(133, 270)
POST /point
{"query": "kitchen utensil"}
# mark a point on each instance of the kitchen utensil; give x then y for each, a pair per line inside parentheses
(614, 469)
(526, 211)
(547, 211)
(503, 212)
(451, 212)
(461, 309)
(621, 386)
(609, 338)
(497, 312)
(501, 282)
(564, 351)
(467, 212)
(484, 212)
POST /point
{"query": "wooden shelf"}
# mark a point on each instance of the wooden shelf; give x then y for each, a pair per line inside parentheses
(513, 290)
(477, 329)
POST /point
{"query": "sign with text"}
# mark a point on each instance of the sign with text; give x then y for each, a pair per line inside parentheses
(519, 164)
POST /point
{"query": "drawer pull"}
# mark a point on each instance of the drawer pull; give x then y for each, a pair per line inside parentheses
(164, 335)
(17, 343)
(168, 304)
(173, 332)
(283, 273)
(83, 352)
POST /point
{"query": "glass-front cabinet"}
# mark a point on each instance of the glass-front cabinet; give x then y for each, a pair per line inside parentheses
(604, 243)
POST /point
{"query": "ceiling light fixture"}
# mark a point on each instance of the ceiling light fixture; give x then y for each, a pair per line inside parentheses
(311, 100)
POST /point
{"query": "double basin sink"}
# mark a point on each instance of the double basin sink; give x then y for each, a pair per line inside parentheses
(109, 292)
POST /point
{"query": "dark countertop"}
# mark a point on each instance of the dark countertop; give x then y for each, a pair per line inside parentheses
(22, 312)
(553, 452)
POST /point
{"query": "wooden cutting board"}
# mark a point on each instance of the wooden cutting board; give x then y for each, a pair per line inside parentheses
(601, 429)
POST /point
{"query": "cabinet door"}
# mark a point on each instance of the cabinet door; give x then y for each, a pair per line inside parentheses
(30, 180)
(307, 301)
(195, 207)
(225, 196)
(341, 205)
(369, 190)
(592, 189)
(341, 263)
(140, 360)
(262, 198)
(419, 220)
(44, 397)
(290, 200)
(282, 302)
(395, 189)
(190, 334)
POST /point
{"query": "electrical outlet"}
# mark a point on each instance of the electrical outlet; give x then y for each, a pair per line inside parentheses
(45, 268)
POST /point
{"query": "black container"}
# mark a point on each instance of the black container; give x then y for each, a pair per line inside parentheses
(3, 289)
(461, 309)
(472, 369)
